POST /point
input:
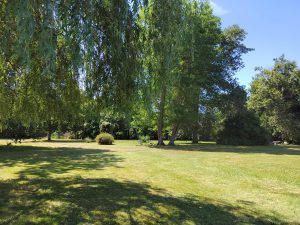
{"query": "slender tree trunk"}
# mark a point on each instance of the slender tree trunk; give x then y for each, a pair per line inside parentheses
(49, 135)
(161, 118)
(195, 134)
(173, 136)
(195, 126)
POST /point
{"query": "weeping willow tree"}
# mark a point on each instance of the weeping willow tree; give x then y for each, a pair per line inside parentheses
(50, 50)
(110, 51)
(31, 49)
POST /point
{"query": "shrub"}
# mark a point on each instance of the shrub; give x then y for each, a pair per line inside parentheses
(144, 139)
(105, 139)
(56, 135)
(88, 140)
(90, 129)
(243, 129)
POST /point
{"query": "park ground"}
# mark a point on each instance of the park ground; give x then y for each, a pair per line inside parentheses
(73, 182)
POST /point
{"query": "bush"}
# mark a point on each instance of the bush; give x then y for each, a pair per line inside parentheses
(243, 129)
(17, 131)
(88, 140)
(144, 139)
(90, 129)
(56, 135)
(105, 139)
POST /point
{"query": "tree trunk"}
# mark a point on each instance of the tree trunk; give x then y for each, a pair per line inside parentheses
(173, 136)
(195, 134)
(161, 118)
(195, 126)
(49, 135)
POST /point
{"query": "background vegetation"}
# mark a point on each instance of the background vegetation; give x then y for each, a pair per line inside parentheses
(134, 68)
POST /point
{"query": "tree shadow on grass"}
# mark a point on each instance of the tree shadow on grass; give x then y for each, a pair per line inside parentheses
(65, 141)
(273, 150)
(106, 201)
(43, 161)
(45, 200)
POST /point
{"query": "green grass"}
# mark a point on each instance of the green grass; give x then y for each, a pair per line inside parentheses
(71, 182)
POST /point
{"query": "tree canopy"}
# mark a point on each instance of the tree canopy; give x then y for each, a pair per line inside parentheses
(143, 67)
(275, 96)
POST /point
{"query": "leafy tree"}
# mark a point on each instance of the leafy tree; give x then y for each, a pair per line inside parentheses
(209, 58)
(275, 96)
(232, 101)
(236, 124)
(33, 56)
(242, 128)
(195, 52)
(161, 22)
(49, 47)
(16, 131)
(138, 66)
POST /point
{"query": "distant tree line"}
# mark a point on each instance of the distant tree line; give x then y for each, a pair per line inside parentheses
(163, 69)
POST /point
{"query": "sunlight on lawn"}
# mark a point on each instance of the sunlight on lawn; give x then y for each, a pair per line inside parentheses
(78, 182)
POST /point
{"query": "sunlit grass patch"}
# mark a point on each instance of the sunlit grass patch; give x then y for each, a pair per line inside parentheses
(84, 183)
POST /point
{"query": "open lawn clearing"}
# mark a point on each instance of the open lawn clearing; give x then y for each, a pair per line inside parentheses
(72, 182)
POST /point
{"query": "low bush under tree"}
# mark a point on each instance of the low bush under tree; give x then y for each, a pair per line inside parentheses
(243, 128)
(105, 139)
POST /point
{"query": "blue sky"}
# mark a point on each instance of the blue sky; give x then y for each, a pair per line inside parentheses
(273, 28)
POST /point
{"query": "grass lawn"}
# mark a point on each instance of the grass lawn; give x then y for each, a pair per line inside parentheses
(70, 182)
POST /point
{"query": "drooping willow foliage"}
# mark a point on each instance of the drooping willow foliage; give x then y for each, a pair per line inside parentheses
(50, 50)
(64, 61)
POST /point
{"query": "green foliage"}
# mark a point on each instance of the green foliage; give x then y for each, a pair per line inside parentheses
(232, 101)
(51, 49)
(161, 22)
(106, 127)
(105, 139)
(209, 56)
(243, 128)
(139, 66)
(88, 140)
(275, 97)
(17, 131)
(91, 129)
(57, 135)
(144, 139)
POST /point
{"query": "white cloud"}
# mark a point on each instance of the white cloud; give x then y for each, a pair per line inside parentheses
(218, 9)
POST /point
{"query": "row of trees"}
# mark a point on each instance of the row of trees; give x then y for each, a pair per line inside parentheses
(129, 67)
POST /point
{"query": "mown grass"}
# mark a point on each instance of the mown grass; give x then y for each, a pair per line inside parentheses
(73, 182)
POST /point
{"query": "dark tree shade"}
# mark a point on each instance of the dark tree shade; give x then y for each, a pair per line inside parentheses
(243, 129)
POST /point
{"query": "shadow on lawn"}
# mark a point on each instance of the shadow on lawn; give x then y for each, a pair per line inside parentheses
(107, 201)
(274, 150)
(75, 200)
(65, 141)
(43, 161)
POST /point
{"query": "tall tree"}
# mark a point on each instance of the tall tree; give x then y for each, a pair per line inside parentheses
(200, 40)
(49, 47)
(209, 58)
(275, 96)
(161, 23)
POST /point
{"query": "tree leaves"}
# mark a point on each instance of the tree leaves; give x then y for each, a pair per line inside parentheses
(275, 96)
